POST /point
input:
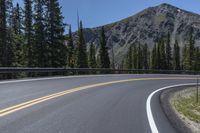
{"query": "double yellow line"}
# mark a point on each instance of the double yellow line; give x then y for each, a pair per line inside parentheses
(30, 103)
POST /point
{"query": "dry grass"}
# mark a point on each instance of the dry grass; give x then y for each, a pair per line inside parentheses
(187, 105)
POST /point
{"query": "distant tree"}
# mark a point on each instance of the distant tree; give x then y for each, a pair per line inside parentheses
(154, 62)
(129, 59)
(185, 59)
(188, 53)
(176, 59)
(197, 59)
(168, 53)
(98, 61)
(71, 52)
(162, 55)
(158, 55)
(81, 59)
(135, 56)
(104, 57)
(92, 58)
(191, 50)
(113, 58)
(139, 57)
(146, 56)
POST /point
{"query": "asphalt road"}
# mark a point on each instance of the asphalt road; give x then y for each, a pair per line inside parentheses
(109, 108)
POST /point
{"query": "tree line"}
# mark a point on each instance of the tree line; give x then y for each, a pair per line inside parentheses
(165, 57)
(34, 36)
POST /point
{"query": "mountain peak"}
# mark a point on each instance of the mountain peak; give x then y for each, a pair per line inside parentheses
(166, 5)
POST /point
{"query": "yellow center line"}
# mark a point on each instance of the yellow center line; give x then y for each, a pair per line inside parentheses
(12, 109)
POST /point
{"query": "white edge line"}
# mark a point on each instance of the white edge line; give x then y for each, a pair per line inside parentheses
(50, 78)
(60, 77)
(151, 121)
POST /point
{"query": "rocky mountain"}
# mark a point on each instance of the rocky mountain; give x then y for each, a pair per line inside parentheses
(147, 26)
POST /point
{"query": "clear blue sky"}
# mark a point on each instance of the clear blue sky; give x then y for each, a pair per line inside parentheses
(99, 12)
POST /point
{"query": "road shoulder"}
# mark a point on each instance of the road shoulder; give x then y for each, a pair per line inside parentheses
(173, 116)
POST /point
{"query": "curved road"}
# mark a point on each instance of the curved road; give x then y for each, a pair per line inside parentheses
(84, 104)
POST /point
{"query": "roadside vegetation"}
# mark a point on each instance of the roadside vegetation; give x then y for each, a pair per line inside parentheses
(188, 106)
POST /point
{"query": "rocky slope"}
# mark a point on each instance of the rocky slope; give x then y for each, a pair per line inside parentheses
(147, 26)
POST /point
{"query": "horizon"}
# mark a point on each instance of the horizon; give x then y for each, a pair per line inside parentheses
(112, 14)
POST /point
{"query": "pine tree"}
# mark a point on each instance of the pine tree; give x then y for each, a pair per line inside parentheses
(197, 59)
(40, 50)
(104, 57)
(154, 58)
(139, 57)
(98, 61)
(92, 58)
(158, 56)
(81, 52)
(18, 37)
(129, 59)
(168, 53)
(176, 59)
(191, 50)
(9, 48)
(71, 52)
(3, 32)
(135, 56)
(17, 19)
(55, 32)
(188, 53)
(162, 59)
(113, 58)
(185, 62)
(146, 56)
(28, 24)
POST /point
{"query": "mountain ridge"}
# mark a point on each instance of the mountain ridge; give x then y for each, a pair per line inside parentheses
(146, 26)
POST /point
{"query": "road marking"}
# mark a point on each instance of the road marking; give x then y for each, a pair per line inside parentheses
(50, 78)
(82, 76)
(151, 120)
(30, 103)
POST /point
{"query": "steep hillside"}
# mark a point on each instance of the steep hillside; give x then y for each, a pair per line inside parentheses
(147, 26)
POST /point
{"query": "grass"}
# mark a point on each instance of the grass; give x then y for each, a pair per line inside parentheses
(189, 107)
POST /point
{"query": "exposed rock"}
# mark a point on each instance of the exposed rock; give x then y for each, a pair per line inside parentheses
(147, 26)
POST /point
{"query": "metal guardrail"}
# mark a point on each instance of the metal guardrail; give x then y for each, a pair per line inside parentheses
(6, 70)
